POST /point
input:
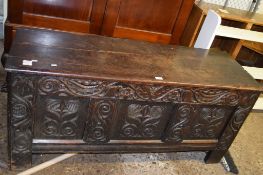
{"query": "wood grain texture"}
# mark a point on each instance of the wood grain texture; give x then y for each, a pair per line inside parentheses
(150, 20)
(97, 16)
(151, 15)
(257, 47)
(154, 21)
(121, 32)
(181, 21)
(193, 26)
(132, 61)
(56, 23)
(15, 11)
(110, 17)
(238, 45)
(120, 148)
(69, 9)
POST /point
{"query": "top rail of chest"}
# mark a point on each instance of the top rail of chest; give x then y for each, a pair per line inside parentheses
(97, 57)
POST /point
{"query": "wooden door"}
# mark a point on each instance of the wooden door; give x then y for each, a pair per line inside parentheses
(84, 16)
(160, 21)
(151, 20)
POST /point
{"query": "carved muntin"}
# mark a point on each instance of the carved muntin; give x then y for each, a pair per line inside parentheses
(100, 121)
(98, 111)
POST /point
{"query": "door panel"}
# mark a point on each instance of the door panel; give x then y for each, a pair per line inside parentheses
(60, 8)
(150, 15)
(67, 15)
(150, 20)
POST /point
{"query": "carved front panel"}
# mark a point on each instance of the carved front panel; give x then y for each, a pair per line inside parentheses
(100, 111)
(197, 122)
(149, 111)
(142, 120)
(60, 117)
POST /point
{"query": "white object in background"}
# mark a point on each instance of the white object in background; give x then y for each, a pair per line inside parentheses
(255, 72)
(232, 32)
(212, 27)
(46, 164)
(208, 30)
(5, 4)
(259, 104)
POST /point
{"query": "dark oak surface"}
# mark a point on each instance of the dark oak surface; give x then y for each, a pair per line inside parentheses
(101, 96)
(109, 58)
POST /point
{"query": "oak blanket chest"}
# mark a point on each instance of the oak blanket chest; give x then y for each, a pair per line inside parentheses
(93, 94)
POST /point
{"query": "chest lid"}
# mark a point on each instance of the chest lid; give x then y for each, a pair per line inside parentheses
(44, 52)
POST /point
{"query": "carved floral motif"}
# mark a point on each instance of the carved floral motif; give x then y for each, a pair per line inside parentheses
(209, 122)
(196, 122)
(142, 121)
(61, 117)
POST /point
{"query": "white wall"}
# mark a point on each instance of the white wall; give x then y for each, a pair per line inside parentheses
(4, 2)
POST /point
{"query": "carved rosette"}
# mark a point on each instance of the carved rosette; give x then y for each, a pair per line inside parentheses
(20, 113)
(61, 118)
(247, 102)
(152, 92)
(209, 122)
(98, 127)
(142, 121)
(196, 122)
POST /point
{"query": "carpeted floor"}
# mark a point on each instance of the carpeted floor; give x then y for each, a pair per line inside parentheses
(247, 151)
